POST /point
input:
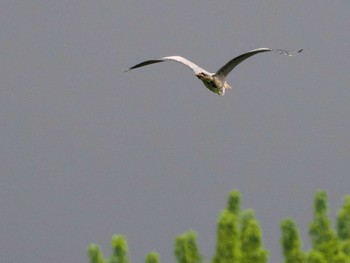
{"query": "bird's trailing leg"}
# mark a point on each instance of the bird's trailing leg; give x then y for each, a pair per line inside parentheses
(226, 86)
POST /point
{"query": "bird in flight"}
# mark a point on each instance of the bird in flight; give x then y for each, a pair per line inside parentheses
(216, 82)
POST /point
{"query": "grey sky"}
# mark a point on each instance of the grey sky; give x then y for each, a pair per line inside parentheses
(88, 151)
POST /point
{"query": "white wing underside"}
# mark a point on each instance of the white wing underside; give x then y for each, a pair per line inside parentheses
(195, 68)
(224, 70)
(229, 66)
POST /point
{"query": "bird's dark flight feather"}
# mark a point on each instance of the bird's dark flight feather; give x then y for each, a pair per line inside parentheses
(146, 63)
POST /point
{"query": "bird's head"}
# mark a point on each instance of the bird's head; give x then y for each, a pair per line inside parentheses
(204, 77)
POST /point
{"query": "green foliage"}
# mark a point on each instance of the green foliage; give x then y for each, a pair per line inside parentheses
(152, 257)
(291, 243)
(234, 202)
(228, 243)
(315, 257)
(323, 237)
(239, 238)
(95, 254)
(120, 250)
(186, 250)
(345, 247)
(238, 235)
(343, 220)
(251, 243)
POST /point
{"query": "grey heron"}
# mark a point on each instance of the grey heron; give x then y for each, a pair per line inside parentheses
(216, 82)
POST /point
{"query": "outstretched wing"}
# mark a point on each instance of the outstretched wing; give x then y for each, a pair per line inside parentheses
(196, 69)
(229, 66)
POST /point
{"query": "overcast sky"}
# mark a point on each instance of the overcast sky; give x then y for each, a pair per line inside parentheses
(88, 151)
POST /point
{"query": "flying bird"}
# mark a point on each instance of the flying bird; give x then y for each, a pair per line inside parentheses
(216, 82)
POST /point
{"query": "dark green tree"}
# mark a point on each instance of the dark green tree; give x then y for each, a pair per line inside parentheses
(152, 257)
(343, 220)
(95, 254)
(343, 227)
(228, 244)
(315, 256)
(234, 202)
(120, 250)
(323, 237)
(251, 241)
(345, 248)
(291, 243)
(186, 249)
(239, 238)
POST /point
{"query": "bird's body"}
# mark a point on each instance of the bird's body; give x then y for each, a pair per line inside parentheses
(216, 82)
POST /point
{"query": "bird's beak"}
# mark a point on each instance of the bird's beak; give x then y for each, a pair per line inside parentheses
(226, 86)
